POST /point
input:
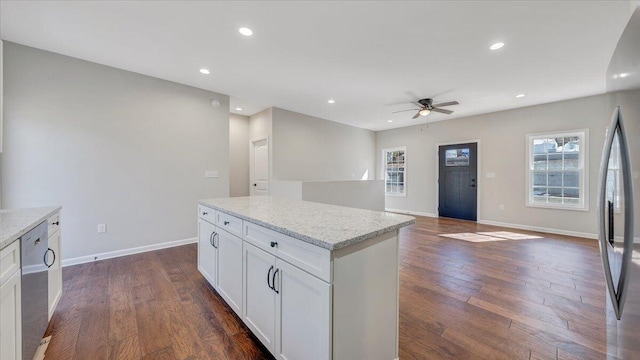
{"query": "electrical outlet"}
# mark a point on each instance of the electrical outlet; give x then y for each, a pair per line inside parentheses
(210, 174)
(491, 174)
(102, 228)
(501, 207)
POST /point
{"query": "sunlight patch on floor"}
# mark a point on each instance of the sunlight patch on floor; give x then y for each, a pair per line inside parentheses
(490, 236)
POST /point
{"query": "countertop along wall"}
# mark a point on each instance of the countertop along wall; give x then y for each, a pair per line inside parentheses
(502, 150)
(112, 147)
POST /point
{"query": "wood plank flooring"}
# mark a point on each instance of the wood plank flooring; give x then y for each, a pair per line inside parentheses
(538, 298)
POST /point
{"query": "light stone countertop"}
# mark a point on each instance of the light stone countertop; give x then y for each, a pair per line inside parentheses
(329, 226)
(16, 222)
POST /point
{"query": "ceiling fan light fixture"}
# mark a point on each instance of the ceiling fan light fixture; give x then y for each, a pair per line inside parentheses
(425, 112)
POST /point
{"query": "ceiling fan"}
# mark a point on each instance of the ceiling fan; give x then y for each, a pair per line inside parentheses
(426, 106)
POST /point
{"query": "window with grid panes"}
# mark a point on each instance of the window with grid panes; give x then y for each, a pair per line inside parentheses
(556, 170)
(395, 170)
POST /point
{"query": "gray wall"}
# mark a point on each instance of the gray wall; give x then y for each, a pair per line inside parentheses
(308, 148)
(238, 155)
(111, 147)
(629, 102)
(503, 152)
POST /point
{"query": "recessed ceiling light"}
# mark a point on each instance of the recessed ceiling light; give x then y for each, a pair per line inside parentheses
(238, 109)
(204, 71)
(496, 46)
(245, 31)
(389, 120)
(622, 75)
(520, 95)
(331, 101)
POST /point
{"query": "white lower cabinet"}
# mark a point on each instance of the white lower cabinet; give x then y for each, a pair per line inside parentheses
(303, 314)
(287, 309)
(11, 318)
(229, 284)
(55, 271)
(259, 297)
(207, 251)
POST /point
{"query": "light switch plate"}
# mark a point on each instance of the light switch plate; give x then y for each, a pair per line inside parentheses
(491, 174)
(211, 174)
(102, 228)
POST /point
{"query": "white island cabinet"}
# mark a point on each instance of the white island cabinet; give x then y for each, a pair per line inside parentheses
(312, 281)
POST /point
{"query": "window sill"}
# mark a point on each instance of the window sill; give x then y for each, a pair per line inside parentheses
(396, 195)
(558, 207)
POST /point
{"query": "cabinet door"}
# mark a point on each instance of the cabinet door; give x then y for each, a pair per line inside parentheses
(55, 272)
(11, 319)
(207, 252)
(303, 314)
(259, 298)
(230, 270)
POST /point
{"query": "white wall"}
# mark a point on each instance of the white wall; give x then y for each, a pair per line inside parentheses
(238, 155)
(502, 151)
(111, 147)
(308, 148)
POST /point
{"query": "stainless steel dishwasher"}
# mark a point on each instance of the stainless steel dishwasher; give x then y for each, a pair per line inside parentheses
(35, 288)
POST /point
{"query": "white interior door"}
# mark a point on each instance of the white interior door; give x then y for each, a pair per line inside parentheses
(260, 167)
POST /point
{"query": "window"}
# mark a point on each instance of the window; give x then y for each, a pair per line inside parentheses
(394, 166)
(556, 170)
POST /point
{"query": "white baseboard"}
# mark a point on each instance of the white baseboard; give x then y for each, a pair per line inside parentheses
(409, 212)
(125, 252)
(539, 229)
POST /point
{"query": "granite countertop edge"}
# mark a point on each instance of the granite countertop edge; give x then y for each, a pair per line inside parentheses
(31, 224)
(309, 239)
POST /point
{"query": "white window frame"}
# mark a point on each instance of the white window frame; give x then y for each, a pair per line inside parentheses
(583, 170)
(384, 170)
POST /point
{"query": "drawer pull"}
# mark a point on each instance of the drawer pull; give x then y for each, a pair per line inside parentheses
(226, 223)
(274, 244)
(55, 223)
(204, 213)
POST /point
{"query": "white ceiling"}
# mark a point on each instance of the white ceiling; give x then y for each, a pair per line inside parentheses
(368, 56)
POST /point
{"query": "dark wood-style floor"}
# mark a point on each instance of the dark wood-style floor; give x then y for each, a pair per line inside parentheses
(539, 298)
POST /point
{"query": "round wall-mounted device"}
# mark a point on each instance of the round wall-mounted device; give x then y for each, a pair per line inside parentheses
(215, 103)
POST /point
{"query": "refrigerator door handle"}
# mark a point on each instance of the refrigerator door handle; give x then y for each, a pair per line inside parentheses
(617, 293)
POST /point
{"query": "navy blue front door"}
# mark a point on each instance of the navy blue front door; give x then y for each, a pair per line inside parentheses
(458, 186)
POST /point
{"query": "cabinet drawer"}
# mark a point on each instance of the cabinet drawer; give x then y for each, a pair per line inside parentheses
(53, 224)
(207, 213)
(229, 223)
(9, 261)
(310, 258)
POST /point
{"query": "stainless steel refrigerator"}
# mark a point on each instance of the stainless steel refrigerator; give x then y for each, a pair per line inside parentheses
(618, 204)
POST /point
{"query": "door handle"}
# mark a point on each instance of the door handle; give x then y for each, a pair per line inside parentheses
(226, 223)
(212, 239)
(274, 281)
(274, 244)
(45, 257)
(473, 185)
(255, 184)
(269, 278)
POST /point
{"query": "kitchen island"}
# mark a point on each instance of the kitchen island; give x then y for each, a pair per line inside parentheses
(310, 280)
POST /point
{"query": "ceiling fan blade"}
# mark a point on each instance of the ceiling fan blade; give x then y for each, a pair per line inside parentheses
(404, 110)
(418, 104)
(417, 115)
(449, 103)
(444, 111)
